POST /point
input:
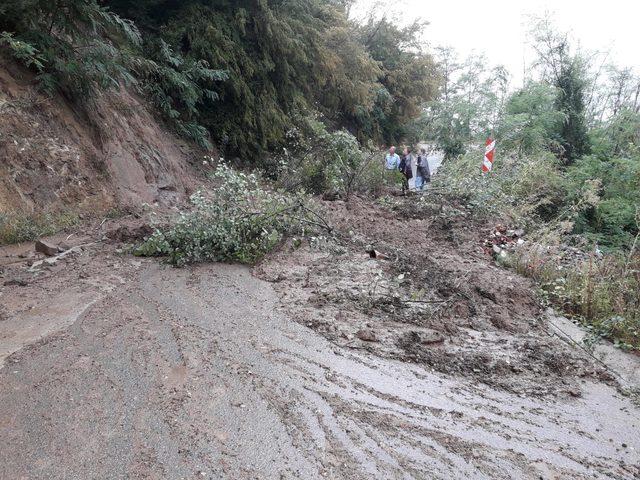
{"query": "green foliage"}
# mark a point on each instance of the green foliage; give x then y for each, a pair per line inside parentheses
(618, 136)
(75, 46)
(470, 100)
(16, 228)
(280, 57)
(179, 88)
(26, 53)
(528, 190)
(408, 78)
(287, 57)
(235, 71)
(238, 221)
(570, 101)
(530, 122)
(79, 48)
(614, 216)
(331, 163)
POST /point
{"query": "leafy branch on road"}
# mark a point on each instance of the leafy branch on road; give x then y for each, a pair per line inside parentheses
(238, 221)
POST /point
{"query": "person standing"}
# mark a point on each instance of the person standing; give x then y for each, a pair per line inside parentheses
(392, 160)
(391, 166)
(406, 168)
(423, 174)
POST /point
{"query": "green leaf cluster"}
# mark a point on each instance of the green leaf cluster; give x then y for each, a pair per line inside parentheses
(238, 221)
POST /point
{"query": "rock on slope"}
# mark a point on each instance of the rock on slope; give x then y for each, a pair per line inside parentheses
(55, 155)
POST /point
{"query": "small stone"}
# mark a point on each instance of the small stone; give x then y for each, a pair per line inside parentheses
(430, 338)
(574, 392)
(367, 335)
(15, 282)
(46, 248)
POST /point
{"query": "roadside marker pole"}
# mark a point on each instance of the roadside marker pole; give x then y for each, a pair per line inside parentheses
(489, 150)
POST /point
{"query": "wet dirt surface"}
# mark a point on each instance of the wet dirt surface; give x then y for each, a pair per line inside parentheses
(118, 367)
(433, 298)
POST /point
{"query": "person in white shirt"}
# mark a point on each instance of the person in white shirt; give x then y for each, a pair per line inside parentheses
(392, 160)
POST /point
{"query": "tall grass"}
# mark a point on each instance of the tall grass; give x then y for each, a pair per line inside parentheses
(16, 228)
(602, 291)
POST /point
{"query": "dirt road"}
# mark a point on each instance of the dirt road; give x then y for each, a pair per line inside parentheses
(122, 368)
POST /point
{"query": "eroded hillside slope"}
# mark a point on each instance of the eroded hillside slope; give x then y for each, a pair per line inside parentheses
(57, 155)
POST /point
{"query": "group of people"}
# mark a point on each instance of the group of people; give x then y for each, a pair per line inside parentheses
(405, 164)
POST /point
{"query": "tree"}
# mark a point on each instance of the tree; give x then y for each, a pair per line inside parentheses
(559, 67)
(468, 107)
(284, 58)
(570, 101)
(408, 76)
(530, 121)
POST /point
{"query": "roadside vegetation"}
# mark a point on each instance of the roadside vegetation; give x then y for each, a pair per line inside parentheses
(567, 171)
(16, 228)
(233, 74)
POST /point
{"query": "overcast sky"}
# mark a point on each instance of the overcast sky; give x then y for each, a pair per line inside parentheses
(498, 28)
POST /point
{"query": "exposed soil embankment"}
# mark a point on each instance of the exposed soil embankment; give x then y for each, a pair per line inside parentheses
(56, 155)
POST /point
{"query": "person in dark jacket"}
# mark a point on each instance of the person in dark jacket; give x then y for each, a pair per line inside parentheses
(423, 175)
(406, 168)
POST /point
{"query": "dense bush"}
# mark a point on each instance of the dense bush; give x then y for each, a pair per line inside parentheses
(237, 221)
(331, 163)
(528, 189)
(614, 218)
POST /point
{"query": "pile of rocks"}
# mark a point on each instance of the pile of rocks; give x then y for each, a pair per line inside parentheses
(501, 240)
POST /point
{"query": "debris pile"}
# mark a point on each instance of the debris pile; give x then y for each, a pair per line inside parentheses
(502, 240)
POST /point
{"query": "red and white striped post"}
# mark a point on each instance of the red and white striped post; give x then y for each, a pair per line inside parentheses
(489, 150)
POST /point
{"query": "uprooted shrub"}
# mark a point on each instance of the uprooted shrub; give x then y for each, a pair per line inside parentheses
(237, 221)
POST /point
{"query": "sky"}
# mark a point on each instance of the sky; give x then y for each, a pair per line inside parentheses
(498, 28)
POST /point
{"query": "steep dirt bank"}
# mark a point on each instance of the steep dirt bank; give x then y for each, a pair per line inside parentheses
(56, 155)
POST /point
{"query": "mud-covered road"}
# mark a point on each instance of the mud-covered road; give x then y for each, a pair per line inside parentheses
(122, 368)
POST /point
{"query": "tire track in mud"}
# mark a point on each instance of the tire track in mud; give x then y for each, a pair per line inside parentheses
(288, 347)
(197, 373)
